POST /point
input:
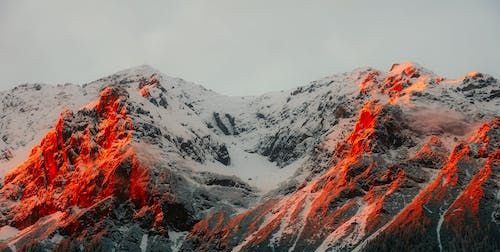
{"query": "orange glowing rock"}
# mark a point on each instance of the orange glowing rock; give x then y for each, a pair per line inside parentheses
(77, 168)
(473, 74)
(368, 82)
(364, 128)
(439, 191)
(145, 86)
(144, 91)
(469, 200)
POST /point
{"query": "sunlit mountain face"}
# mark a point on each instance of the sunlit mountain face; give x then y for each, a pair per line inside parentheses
(403, 160)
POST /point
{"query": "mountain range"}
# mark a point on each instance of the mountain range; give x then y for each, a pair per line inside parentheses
(367, 160)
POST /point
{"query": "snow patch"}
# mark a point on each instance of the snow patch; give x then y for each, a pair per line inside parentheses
(144, 243)
(7, 232)
(177, 238)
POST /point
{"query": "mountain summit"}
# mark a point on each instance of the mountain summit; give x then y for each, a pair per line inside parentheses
(360, 161)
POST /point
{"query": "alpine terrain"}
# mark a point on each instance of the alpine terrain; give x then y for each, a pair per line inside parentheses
(368, 160)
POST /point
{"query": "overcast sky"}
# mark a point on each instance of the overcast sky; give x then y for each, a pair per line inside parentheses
(243, 47)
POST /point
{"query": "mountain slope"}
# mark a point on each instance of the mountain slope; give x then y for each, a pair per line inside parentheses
(142, 161)
(407, 159)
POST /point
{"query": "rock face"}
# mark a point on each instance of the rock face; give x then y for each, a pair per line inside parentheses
(90, 182)
(369, 161)
(393, 184)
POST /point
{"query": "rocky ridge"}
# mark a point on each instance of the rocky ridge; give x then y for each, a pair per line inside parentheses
(142, 161)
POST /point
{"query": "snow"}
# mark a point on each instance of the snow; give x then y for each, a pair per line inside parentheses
(43, 227)
(19, 155)
(398, 69)
(144, 243)
(372, 236)
(12, 247)
(253, 169)
(177, 238)
(351, 231)
(57, 238)
(27, 113)
(426, 208)
(305, 212)
(438, 227)
(275, 238)
(7, 232)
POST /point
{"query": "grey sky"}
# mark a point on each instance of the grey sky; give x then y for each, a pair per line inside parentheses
(243, 47)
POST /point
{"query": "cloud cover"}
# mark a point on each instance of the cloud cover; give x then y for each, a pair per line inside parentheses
(243, 47)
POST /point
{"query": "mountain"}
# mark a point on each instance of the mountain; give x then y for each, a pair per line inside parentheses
(360, 161)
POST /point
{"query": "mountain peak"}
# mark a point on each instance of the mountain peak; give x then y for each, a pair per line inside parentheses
(147, 162)
(406, 68)
(142, 68)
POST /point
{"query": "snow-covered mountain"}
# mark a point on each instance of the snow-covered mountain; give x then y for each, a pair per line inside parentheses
(364, 161)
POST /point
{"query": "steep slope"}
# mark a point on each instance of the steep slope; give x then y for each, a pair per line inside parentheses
(142, 161)
(28, 112)
(106, 177)
(447, 213)
(408, 171)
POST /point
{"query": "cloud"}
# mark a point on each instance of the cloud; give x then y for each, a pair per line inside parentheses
(243, 47)
(438, 121)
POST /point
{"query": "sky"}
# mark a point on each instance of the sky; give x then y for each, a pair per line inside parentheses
(243, 47)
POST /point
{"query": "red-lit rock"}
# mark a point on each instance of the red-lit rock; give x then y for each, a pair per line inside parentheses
(73, 167)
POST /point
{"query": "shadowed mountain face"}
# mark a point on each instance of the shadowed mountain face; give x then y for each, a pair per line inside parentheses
(361, 161)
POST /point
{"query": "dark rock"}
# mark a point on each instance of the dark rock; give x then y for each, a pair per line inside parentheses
(220, 124)
(223, 155)
(260, 116)
(232, 123)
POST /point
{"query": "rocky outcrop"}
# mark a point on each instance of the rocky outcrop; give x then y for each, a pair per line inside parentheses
(376, 162)
(88, 184)
(392, 185)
